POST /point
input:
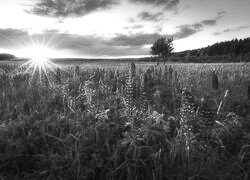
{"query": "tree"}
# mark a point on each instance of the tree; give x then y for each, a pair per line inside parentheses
(162, 48)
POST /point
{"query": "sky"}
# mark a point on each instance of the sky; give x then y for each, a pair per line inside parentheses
(117, 28)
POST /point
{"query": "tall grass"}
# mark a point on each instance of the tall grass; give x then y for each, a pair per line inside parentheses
(118, 124)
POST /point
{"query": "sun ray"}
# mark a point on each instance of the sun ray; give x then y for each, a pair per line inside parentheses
(39, 50)
(39, 62)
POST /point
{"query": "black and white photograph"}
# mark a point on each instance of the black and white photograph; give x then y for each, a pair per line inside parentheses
(124, 89)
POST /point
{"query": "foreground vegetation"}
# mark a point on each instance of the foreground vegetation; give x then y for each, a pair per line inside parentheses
(172, 122)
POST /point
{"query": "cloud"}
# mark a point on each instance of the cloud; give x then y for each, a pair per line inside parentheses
(51, 31)
(12, 32)
(196, 26)
(217, 33)
(136, 26)
(11, 38)
(190, 29)
(186, 31)
(69, 8)
(93, 45)
(147, 16)
(131, 20)
(209, 22)
(139, 39)
(79, 45)
(239, 28)
(220, 14)
(167, 4)
(120, 45)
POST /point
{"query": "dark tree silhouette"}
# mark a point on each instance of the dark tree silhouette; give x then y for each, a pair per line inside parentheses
(162, 48)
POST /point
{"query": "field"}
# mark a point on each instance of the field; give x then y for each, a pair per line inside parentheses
(125, 121)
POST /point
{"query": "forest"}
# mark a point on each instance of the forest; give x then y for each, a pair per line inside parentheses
(236, 50)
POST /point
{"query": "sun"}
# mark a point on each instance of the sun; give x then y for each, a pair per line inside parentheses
(39, 54)
(39, 60)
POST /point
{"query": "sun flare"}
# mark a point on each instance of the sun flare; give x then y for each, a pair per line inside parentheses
(39, 60)
(39, 54)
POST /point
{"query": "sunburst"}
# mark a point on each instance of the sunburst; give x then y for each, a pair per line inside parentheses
(39, 61)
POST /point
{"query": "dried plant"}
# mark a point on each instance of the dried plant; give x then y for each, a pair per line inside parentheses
(143, 96)
(222, 103)
(215, 81)
(58, 76)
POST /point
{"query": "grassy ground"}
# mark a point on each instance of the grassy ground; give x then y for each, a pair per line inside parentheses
(109, 121)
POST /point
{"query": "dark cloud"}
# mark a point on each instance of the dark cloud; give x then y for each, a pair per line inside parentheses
(139, 39)
(232, 29)
(228, 30)
(197, 26)
(167, 4)
(217, 33)
(220, 14)
(14, 33)
(212, 22)
(136, 26)
(237, 28)
(186, 31)
(68, 8)
(190, 29)
(209, 22)
(77, 8)
(11, 38)
(147, 16)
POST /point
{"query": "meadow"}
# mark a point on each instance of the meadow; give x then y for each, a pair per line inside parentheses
(124, 121)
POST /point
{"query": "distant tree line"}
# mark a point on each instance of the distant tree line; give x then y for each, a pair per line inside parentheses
(6, 57)
(236, 50)
(235, 46)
